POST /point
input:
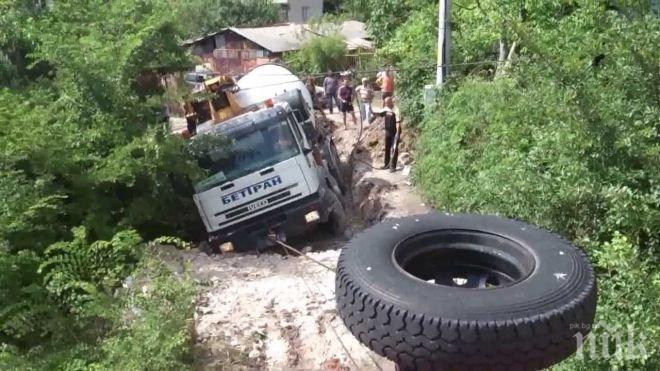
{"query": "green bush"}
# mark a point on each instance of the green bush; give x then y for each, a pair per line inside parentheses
(570, 145)
(77, 272)
(85, 149)
(148, 327)
(318, 55)
(155, 328)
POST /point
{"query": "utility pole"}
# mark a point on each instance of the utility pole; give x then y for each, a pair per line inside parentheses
(444, 41)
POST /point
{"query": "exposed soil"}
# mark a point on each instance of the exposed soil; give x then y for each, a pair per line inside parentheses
(277, 311)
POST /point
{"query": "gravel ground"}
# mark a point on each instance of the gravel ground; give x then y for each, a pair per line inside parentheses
(277, 312)
(274, 312)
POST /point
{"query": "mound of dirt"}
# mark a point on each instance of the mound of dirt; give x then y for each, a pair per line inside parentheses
(369, 201)
(373, 139)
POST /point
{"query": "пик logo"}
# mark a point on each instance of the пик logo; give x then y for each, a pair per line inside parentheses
(251, 190)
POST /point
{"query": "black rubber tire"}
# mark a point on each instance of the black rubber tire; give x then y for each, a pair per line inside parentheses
(334, 165)
(526, 325)
(337, 216)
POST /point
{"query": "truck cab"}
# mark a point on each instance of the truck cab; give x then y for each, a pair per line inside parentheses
(266, 175)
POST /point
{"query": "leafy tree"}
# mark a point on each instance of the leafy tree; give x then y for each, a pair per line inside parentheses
(16, 41)
(356, 9)
(146, 327)
(83, 148)
(414, 55)
(198, 17)
(383, 17)
(566, 139)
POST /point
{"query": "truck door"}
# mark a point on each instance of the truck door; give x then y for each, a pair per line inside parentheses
(302, 139)
(307, 124)
(313, 169)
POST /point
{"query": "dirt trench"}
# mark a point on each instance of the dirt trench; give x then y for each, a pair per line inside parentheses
(276, 311)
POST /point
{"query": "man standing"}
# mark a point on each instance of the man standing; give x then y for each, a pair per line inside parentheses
(346, 100)
(330, 88)
(386, 82)
(392, 134)
(366, 96)
(311, 88)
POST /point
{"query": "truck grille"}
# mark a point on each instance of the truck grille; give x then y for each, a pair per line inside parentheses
(275, 198)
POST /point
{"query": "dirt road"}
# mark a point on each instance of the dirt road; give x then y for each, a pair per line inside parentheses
(273, 311)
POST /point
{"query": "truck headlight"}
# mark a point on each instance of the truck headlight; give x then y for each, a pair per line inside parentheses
(312, 216)
(227, 247)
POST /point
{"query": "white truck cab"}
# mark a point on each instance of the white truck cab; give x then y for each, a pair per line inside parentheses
(266, 176)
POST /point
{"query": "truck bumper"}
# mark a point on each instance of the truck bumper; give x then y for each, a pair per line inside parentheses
(289, 219)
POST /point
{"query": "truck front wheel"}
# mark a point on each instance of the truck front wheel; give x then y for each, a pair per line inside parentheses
(337, 219)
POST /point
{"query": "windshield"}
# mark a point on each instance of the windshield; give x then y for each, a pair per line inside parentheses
(229, 158)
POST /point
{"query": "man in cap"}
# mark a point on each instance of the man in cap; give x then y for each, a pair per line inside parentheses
(392, 134)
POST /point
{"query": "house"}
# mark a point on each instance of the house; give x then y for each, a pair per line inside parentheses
(299, 11)
(235, 50)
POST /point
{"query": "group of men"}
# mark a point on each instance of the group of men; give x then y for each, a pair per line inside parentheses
(343, 97)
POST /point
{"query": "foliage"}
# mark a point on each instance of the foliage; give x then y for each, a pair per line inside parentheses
(94, 144)
(77, 272)
(25, 313)
(173, 241)
(148, 329)
(327, 24)
(569, 141)
(84, 149)
(16, 42)
(198, 17)
(384, 17)
(631, 281)
(318, 54)
(401, 30)
(155, 328)
(332, 6)
(414, 54)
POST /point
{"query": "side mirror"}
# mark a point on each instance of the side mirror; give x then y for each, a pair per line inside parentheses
(307, 150)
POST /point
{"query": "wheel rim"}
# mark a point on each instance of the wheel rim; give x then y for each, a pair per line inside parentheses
(463, 259)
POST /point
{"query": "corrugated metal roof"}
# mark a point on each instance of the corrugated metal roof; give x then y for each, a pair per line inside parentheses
(357, 43)
(289, 36)
(354, 30)
(276, 38)
(194, 40)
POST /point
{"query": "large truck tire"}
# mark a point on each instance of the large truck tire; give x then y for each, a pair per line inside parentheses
(337, 219)
(464, 292)
(331, 155)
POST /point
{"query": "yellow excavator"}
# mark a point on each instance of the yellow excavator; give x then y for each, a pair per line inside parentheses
(221, 98)
(215, 103)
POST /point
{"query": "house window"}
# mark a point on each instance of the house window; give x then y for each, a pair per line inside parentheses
(305, 13)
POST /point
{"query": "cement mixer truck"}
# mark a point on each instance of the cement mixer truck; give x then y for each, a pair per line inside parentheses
(271, 172)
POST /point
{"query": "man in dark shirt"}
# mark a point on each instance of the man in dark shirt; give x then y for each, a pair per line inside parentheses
(346, 100)
(330, 89)
(392, 134)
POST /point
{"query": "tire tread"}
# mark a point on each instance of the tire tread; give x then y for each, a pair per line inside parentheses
(420, 341)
